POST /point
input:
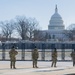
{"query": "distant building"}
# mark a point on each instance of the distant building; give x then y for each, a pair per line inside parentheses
(56, 27)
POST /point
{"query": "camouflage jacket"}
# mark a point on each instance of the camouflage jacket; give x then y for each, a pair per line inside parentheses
(12, 54)
(35, 54)
(54, 55)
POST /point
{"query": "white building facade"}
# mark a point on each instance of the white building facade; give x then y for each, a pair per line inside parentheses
(56, 27)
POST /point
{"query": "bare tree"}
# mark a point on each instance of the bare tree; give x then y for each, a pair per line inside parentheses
(41, 36)
(37, 35)
(33, 27)
(70, 32)
(26, 27)
(22, 26)
(7, 29)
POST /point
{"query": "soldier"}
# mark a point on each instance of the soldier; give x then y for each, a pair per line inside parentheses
(73, 57)
(35, 57)
(54, 58)
(12, 55)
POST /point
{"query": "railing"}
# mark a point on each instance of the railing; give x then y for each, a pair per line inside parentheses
(24, 49)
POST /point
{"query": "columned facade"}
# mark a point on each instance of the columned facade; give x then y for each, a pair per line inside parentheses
(56, 27)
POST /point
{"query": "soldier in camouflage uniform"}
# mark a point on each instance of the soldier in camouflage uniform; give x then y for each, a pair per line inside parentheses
(35, 57)
(73, 57)
(12, 55)
(54, 58)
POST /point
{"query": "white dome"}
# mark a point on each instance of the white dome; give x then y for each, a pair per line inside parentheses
(56, 15)
(56, 21)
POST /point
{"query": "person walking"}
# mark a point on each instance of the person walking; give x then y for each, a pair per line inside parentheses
(12, 55)
(73, 57)
(54, 58)
(35, 56)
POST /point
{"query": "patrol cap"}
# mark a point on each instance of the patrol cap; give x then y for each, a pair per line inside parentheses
(54, 49)
(35, 47)
(13, 47)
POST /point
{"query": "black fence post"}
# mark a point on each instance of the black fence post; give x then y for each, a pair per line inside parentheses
(43, 52)
(63, 52)
(3, 51)
(52, 47)
(23, 51)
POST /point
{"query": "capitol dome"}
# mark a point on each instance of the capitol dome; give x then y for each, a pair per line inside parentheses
(56, 21)
(56, 16)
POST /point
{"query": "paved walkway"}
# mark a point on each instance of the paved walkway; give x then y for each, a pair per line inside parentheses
(25, 68)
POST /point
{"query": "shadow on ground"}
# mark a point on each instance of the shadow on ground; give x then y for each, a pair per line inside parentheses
(49, 70)
(70, 74)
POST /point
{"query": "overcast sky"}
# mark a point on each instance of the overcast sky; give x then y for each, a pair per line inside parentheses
(42, 10)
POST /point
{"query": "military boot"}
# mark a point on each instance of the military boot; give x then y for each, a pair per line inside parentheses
(10, 67)
(33, 66)
(36, 66)
(14, 67)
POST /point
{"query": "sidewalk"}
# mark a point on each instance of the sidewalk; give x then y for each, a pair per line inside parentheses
(25, 68)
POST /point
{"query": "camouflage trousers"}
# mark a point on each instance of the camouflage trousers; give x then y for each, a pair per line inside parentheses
(73, 63)
(34, 63)
(12, 64)
(54, 63)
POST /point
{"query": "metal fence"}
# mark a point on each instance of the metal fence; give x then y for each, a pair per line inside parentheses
(24, 49)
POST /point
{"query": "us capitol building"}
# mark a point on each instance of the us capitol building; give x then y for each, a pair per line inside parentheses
(56, 27)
